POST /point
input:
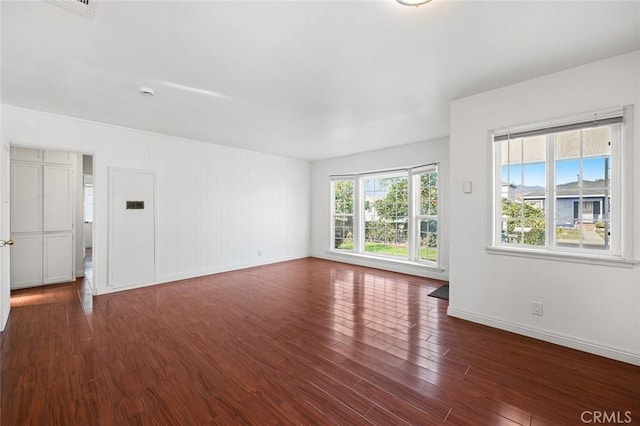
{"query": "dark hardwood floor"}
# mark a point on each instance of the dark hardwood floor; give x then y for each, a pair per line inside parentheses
(300, 342)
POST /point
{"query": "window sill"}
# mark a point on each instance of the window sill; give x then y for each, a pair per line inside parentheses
(563, 257)
(388, 259)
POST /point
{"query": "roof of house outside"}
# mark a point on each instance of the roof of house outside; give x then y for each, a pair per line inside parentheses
(590, 189)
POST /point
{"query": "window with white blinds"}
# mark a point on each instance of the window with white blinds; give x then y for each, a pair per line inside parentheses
(562, 186)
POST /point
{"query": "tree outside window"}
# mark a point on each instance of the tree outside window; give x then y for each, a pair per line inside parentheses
(391, 214)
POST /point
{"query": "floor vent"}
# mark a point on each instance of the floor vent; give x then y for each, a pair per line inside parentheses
(80, 7)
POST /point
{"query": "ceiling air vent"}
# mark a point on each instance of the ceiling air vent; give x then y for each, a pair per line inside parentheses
(80, 7)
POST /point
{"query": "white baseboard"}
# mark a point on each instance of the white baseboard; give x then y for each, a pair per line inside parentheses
(548, 336)
(164, 280)
(379, 263)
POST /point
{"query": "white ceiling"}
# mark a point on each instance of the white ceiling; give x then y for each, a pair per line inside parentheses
(303, 79)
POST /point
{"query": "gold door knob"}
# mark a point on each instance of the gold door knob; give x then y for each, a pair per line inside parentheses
(6, 243)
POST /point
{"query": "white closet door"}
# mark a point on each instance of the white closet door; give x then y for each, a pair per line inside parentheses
(26, 261)
(26, 197)
(58, 198)
(131, 227)
(58, 258)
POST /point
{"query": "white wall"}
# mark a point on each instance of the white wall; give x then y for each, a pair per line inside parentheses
(589, 307)
(87, 165)
(217, 206)
(435, 151)
(88, 236)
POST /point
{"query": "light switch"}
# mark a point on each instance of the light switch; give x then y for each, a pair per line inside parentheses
(466, 187)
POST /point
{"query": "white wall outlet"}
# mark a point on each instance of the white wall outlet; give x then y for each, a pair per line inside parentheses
(259, 252)
(536, 308)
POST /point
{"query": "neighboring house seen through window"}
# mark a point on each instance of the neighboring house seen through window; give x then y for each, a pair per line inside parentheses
(559, 186)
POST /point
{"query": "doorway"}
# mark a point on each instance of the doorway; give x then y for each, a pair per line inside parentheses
(46, 217)
(87, 213)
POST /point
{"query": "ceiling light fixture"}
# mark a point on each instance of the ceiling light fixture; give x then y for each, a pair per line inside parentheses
(415, 3)
(147, 91)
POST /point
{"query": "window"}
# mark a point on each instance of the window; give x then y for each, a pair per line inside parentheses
(88, 202)
(386, 211)
(343, 213)
(390, 214)
(427, 214)
(559, 186)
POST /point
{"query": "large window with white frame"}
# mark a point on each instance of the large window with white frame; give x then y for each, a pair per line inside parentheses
(391, 214)
(560, 187)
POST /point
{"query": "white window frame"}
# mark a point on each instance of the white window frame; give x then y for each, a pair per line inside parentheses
(621, 220)
(362, 219)
(413, 229)
(335, 179)
(414, 188)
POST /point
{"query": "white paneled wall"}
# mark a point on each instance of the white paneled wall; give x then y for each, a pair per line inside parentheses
(587, 306)
(219, 208)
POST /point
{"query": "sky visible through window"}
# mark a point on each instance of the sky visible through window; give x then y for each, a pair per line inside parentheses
(566, 171)
(370, 187)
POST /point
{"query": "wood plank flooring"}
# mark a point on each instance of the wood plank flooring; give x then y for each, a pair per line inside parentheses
(301, 342)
